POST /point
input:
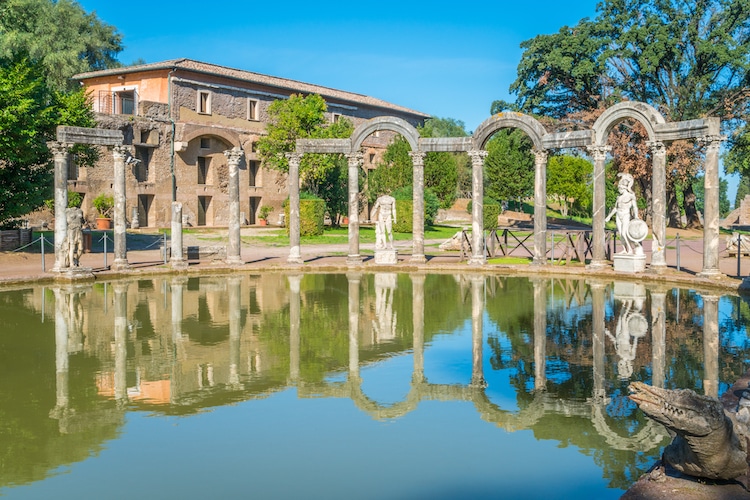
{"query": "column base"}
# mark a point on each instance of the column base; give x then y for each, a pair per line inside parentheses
(477, 261)
(539, 262)
(597, 265)
(120, 265)
(418, 259)
(234, 261)
(711, 274)
(658, 268)
(74, 273)
(353, 260)
(178, 264)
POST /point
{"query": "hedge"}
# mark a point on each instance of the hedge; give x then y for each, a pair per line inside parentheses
(404, 217)
(311, 216)
(491, 210)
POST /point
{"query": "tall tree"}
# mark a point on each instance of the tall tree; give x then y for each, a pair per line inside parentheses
(568, 180)
(304, 117)
(688, 59)
(509, 166)
(58, 35)
(444, 172)
(29, 114)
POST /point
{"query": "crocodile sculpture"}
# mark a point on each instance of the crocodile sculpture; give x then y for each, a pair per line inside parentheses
(708, 442)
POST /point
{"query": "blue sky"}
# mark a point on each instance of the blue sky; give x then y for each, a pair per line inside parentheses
(449, 60)
(445, 59)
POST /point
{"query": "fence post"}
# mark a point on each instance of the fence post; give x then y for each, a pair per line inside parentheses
(552, 245)
(41, 238)
(165, 246)
(739, 252)
(105, 250)
(677, 246)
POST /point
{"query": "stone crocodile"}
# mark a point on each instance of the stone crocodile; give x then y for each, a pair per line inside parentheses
(708, 441)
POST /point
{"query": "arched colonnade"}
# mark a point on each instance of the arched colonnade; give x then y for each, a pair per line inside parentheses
(660, 132)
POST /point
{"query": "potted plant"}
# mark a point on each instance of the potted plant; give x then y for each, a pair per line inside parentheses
(263, 214)
(103, 205)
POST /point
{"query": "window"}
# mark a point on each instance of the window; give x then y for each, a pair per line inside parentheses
(253, 166)
(252, 109)
(335, 117)
(205, 143)
(202, 169)
(126, 102)
(204, 102)
(140, 169)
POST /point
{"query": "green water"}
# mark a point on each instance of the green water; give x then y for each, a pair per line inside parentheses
(347, 386)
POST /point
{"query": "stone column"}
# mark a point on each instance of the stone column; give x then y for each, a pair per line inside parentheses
(121, 337)
(711, 345)
(658, 338)
(417, 285)
(354, 161)
(235, 329)
(540, 208)
(711, 210)
(598, 353)
(234, 156)
(354, 281)
(659, 206)
(178, 258)
(599, 154)
(121, 256)
(295, 256)
(417, 254)
(477, 331)
(60, 153)
(540, 334)
(294, 320)
(477, 209)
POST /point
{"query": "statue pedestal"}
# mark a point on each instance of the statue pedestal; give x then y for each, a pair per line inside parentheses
(626, 263)
(74, 273)
(387, 256)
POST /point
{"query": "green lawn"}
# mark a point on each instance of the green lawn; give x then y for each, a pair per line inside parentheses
(340, 236)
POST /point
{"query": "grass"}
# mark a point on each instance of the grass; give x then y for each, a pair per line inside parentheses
(340, 236)
(509, 260)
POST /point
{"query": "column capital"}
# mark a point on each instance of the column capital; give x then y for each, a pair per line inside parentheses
(355, 158)
(234, 155)
(599, 152)
(712, 142)
(120, 151)
(658, 148)
(477, 155)
(294, 157)
(417, 157)
(540, 155)
(59, 150)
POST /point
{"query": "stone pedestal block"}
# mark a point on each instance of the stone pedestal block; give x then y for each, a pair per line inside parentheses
(630, 263)
(386, 256)
(75, 273)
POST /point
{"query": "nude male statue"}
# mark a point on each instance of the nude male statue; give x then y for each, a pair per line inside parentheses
(384, 214)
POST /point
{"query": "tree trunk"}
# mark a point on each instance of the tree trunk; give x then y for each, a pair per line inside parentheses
(691, 213)
(673, 210)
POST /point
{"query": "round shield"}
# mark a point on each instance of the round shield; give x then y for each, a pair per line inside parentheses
(637, 230)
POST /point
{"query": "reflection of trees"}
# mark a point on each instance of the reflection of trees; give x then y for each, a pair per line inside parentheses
(33, 444)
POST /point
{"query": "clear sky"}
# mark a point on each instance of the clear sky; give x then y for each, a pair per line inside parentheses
(446, 59)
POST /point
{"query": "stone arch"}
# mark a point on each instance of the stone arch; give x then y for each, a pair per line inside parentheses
(647, 115)
(530, 125)
(228, 136)
(391, 123)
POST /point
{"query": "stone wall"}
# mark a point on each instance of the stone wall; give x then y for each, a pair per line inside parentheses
(744, 219)
(12, 239)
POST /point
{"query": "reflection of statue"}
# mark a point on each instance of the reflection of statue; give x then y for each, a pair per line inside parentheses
(384, 214)
(626, 203)
(73, 243)
(631, 323)
(385, 323)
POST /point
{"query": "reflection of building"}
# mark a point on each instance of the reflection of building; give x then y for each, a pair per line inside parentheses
(212, 109)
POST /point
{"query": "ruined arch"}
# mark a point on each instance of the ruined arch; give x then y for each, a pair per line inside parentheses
(390, 123)
(647, 115)
(229, 137)
(530, 125)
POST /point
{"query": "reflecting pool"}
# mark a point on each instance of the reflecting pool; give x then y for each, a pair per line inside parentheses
(347, 385)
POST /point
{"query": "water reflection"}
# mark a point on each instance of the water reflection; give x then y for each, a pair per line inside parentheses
(552, 356)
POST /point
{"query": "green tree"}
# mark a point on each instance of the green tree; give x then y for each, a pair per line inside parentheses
(29, 114)
(700, 198)
(394, 171)
(743, 189)
(509, 166)
(569, 182)
(303, 117)
(687, 59)
(444, 172)
(58, 35)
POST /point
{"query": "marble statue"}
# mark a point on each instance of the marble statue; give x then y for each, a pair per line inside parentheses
(73, 243)
(384, 214)
(631, 228)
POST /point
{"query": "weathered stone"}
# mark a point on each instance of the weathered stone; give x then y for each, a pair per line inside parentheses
(94, 136)
(386, 256)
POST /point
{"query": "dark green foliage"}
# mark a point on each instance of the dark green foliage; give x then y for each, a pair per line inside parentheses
(404, 222)
(509, 166)
(698, 189)
(394, 171)
(431, 205)
(569, 181)
(312, 211)
(743, 189)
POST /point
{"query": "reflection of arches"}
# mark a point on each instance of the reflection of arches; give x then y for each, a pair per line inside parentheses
(531, 126)
(648, 116)
(651, 436)
(390, 123)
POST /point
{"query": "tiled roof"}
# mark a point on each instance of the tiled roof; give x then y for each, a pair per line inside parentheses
(257, 78)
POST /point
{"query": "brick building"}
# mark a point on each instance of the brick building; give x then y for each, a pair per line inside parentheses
(181, 115)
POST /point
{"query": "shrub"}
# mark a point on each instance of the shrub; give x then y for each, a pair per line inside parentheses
(491, 210)
(312, 212)
(404, 208)
(103, 205)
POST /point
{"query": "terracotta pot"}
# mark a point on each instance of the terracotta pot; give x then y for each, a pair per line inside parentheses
(103, 223)
(263, 222)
